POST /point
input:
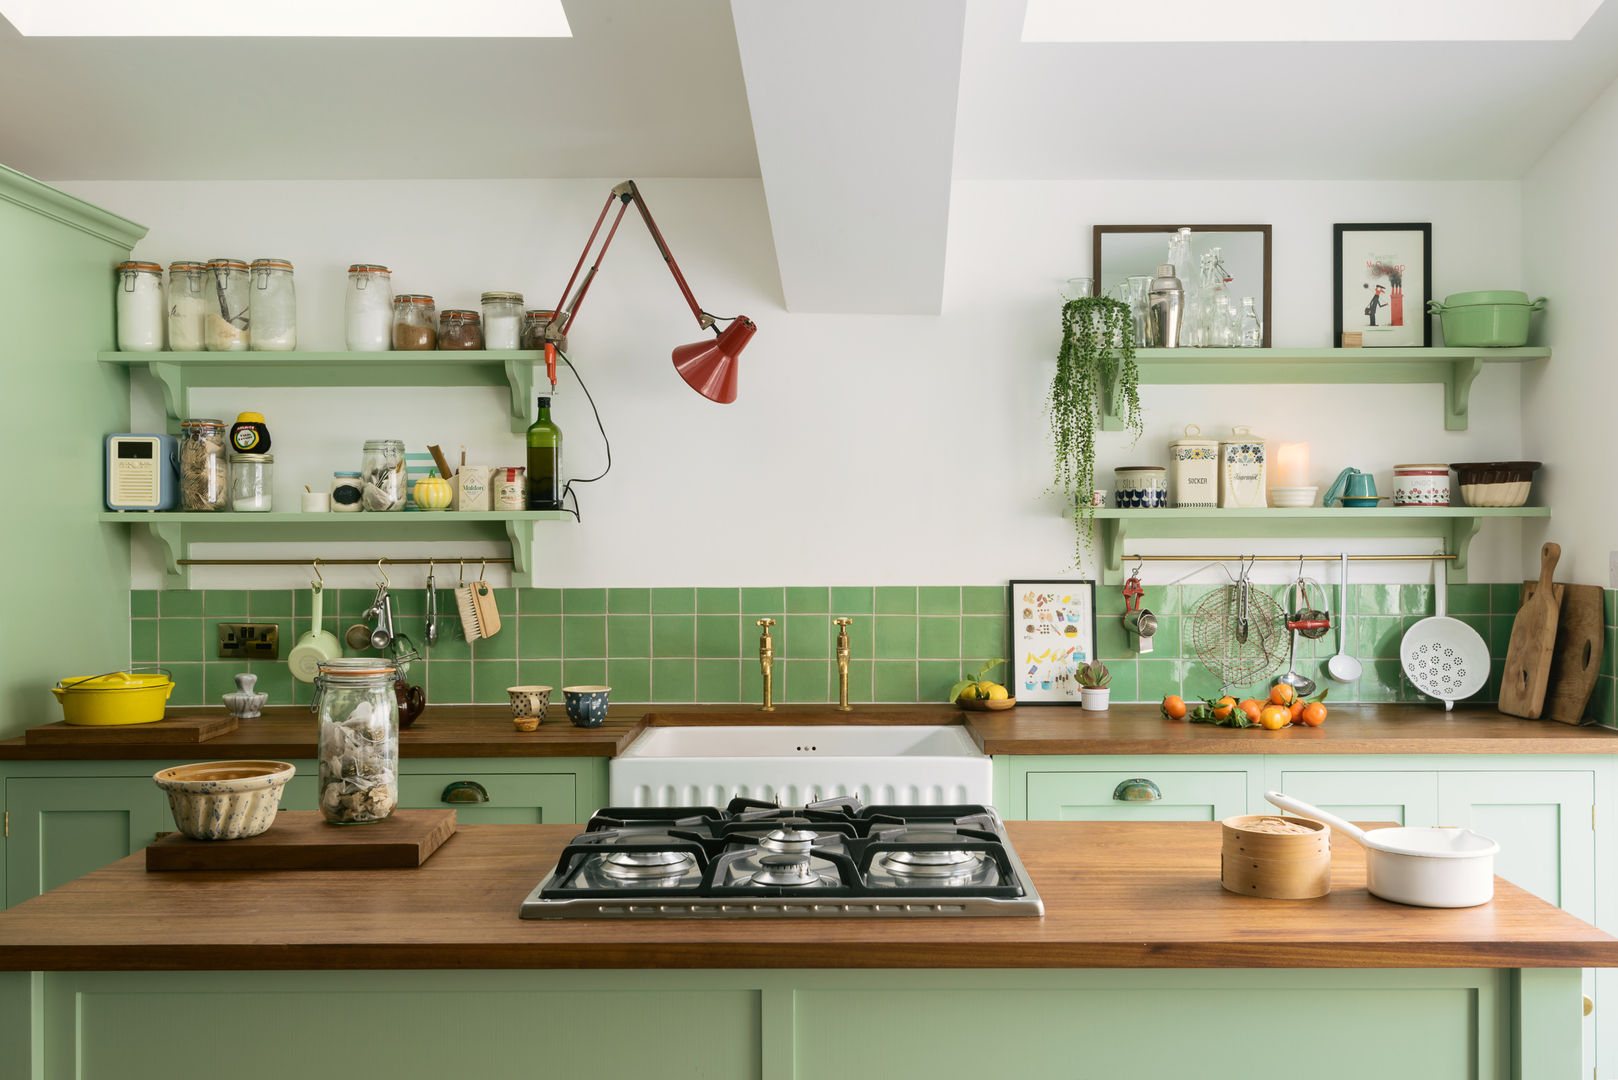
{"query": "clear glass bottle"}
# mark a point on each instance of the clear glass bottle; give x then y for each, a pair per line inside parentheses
(368, 308)
(1223, 326)
(415, 322)
(140, 307)
(358, 740)
(544, 461)
(273, 306)
(187, 306)
(502, 320)
(204, 470)
(252, 483)
(226, 292)
(1251, 333)
(382, 474)
(460, 329)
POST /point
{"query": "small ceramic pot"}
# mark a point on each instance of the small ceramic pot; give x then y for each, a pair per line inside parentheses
(1095, 699)
(586, 705)
(1421, 485)
(529, 703)
(1140, 487)
(1098, 498)
(433, 493)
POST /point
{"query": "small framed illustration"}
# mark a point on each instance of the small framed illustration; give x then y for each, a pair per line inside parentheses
(1383, 278)
(1053, 631)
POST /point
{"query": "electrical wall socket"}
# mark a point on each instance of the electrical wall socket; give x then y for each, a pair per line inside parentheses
(249, 641)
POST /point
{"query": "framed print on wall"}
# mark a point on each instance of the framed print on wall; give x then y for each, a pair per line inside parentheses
(1383, 278)
(1053, 632)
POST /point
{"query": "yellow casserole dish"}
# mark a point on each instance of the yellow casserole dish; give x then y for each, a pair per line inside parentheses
(117, 698)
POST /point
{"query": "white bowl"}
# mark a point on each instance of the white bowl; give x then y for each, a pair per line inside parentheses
(225, 800)
(1303, 495)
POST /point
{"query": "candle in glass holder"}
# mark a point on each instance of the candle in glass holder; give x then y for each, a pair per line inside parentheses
(1291, 464)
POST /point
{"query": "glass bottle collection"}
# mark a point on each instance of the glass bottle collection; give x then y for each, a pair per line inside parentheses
(1212, 316)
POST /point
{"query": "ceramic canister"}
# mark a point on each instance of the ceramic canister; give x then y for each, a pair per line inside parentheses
(1241, 470)
(1140, 487)
(1421, 485)
(1194, 469)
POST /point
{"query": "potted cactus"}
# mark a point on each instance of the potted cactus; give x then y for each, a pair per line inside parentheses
(1095, 685)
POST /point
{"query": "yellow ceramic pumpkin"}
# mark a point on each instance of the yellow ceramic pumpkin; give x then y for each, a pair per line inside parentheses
(433, 493)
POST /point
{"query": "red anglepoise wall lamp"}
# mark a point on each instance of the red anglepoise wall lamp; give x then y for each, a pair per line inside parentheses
(709, 366)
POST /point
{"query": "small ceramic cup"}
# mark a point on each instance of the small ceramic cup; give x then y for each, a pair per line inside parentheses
(314, 502)
(528, 705)
(586, 705)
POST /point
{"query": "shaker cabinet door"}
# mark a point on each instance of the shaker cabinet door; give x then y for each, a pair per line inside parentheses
(1136, 796)
(63, 828)
(1402, 798)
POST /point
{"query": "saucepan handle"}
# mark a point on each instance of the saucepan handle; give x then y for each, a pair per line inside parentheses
(1286, 802)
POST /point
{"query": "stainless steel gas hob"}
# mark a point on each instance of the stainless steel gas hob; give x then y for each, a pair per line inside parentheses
(753, 859)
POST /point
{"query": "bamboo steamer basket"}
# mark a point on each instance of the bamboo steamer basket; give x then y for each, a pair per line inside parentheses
(1275, 866)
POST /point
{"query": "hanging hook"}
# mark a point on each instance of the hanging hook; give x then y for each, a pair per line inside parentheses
(461, 577)
(386, 581)
(1135, 573)
(320, 579)
(483, 569)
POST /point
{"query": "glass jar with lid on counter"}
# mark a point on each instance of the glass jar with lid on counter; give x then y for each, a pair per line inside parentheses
(502, 320)
(227, 328)
(251, 483)
(460, 328)
(359, 739)
(382, 475)
(415, 324)
(187, 306)
(140, 307)
(204, 469)
(368, 308)
(273, 306)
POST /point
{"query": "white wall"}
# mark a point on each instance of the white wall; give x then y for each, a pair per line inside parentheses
(1570, 236)
(863, 449)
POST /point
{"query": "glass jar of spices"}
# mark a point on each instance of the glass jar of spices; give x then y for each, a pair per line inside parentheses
(382, 475)
(415, 326)
(460, 328)
(251, 483)
(273, 306)
(502, 320)
(187, 306)
(534, 321)
(347, 493)
(359, 739)
(368, 308)
(140, 307)
(204, 471)
(225, 292)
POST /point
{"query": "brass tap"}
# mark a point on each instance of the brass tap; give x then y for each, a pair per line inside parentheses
(766, 663)
(842, 662)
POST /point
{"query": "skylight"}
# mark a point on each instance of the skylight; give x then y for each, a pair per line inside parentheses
(287, 18)
(1294, 20)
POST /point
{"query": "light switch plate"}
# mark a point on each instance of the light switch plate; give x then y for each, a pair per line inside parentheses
(249, 641)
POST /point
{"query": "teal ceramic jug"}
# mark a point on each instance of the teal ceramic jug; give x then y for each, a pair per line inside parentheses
(1352, 488)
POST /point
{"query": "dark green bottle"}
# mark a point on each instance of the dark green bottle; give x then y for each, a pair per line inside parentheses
(544, 461)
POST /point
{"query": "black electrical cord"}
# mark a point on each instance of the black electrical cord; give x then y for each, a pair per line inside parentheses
(567, 488)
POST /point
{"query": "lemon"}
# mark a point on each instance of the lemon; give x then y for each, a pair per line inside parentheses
(968, 694)
(996, 691)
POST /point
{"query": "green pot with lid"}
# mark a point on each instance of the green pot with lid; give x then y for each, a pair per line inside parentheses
(1486, 319)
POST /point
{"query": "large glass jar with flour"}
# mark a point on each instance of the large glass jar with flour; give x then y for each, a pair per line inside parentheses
(187, 305)
(368, 308)
(359, 739)
(227, 326)
(140, 307)
(273, 306)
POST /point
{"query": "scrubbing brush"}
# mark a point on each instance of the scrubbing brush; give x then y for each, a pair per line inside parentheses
(475, 603)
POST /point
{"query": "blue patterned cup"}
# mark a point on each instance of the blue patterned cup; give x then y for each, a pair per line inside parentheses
(586, 705)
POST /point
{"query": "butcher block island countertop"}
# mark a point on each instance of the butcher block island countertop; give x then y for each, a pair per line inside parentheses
(1117, 895)
(485, 731)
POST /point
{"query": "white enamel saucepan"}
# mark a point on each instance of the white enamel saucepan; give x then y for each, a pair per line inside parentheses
(1444, 868)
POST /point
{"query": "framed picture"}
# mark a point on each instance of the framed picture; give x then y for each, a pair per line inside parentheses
(1383, 278)
(1053, 631)
(1120, 252)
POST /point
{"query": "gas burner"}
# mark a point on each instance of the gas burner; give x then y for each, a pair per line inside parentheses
(789, 840)
(932, 864)
(641, 865)
(779, 869)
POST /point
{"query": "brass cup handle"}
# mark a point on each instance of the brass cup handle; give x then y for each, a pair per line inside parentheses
(465, 791)
(1139, 789)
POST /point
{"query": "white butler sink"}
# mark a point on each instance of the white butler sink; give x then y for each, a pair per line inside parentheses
(706, 766)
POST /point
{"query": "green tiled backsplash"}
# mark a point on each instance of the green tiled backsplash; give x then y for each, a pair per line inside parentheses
(701, 645)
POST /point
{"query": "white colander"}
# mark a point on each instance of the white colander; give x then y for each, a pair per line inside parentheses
(1443, 657)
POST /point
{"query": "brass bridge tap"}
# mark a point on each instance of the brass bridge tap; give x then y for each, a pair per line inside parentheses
(842, 662)
(766, 663)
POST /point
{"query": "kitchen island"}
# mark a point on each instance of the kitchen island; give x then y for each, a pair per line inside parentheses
(1141, 966)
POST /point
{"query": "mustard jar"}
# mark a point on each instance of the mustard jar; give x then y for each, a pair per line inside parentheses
(1194, 469)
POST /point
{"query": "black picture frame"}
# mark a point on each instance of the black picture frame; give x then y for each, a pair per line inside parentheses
(1339, 301)
(1016, 662)
(1098, 262)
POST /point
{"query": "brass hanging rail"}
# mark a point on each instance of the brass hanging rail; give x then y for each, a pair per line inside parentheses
(438, 559)
(1286, 558)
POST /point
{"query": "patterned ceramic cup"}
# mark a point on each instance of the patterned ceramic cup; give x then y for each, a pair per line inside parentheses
(586, 705)
(529, 703)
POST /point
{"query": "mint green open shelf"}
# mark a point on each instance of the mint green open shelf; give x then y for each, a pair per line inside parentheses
(1453, 525)
(1454, 369)
(181, 372)
(178, 531)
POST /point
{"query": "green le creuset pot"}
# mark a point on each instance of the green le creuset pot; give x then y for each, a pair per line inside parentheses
(1488, 319)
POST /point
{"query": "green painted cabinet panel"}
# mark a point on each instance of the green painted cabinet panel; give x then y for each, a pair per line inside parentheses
(1405, 798)
(512, 798)
(1091, 796)
(63, 829)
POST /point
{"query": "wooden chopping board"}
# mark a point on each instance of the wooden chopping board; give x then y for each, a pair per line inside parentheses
(1533, 642)
(183, 731)
(1576, 662)
(302, 840)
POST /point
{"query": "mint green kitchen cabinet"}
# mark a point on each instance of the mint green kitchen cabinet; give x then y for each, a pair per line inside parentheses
(60, 829)
(1154, 794)
(494, 798)
(1404, 797)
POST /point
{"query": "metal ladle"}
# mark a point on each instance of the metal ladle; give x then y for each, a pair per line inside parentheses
(1343, 667)
(1303, 684)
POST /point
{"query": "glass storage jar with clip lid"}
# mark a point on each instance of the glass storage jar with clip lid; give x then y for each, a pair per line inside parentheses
(502, 320)
(188, 306)
(204, 469)
(274, 307)
(368, 308)
(359, 739)
(227, 328)
(460, 328)
(382, 474)
(415, 324)
(140, 307)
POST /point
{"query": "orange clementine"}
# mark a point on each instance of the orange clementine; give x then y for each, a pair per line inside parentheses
(1297, 708)
(1222, 707)
(1314, 714)
(1251, 708)
(1275, 717)
(1174, 707)
(1282, 694)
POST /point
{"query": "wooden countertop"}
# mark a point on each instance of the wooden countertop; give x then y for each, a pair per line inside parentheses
(484, 731)
(1117, 894)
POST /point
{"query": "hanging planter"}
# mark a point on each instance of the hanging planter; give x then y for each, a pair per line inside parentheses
(1096, 358)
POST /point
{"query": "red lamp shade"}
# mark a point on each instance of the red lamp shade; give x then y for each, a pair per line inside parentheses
(710, 366)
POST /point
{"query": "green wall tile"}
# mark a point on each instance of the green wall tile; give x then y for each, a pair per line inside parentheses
(859, 681)
(1377, 599)
(584, 601)
(449, 682)
(351, 604)
(718, 636)
(853, 600)
(895, 637)
(1468, 599)
(188, 684)
(935, 677)
(674, 601)
(752, 682)
(491, 678)
(630, 679)
(983, 637)
(808, 600)
(583, 635)
(1379, 636)
(219, 679)
(861, 637)
(583, 672)
(143, 603)
(771, 602)
(719, 601)
(1505, 597)
(1609, 604)
(1125, 679)
(181, 640)
(1112, 640)
(1416, 599)
(808, 637)
(718, 680)
(938, 600)
(983, 600)
(451, 644)
(1500, 633)
(1197, 683)
(629, 635)
(629, 601)
(674, 680)
(1381, 680)
(939, 637)
(674, 635)
(806, 680)
(143, 641)
(270, 603)
(996, 674)
(1172, 630)
(275, 679)
(895, 600)
(503, 646)
(537, 601)
(180, 602)
(1157, 678)
(1609, 651)
(894, 680)
(542, 673)
(539, 636)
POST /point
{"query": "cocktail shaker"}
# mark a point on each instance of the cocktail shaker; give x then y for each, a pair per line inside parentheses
(1165, 308)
